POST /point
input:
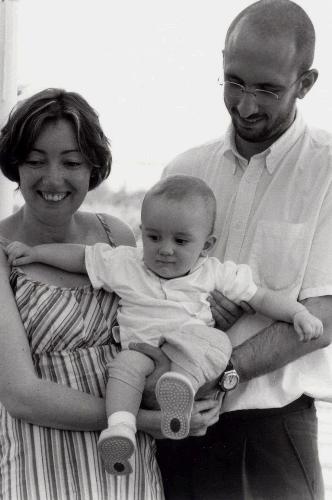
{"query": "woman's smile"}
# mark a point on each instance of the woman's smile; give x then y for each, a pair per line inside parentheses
(54, 197)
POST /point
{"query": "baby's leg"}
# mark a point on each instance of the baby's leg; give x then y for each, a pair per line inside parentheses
(124, 390)
(199, 354)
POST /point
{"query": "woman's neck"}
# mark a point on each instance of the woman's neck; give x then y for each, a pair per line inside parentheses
(35, 231)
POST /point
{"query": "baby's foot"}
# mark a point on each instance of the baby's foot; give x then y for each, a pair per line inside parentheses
(116, 445)
(175, 396)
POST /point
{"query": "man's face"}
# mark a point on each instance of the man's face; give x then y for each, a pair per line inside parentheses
(261, 64)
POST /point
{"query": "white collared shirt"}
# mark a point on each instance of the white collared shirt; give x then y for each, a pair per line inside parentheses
(275, 214)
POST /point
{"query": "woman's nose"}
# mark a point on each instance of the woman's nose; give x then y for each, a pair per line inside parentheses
(54, 173)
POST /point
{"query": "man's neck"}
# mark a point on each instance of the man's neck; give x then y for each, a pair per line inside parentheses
(249, 149)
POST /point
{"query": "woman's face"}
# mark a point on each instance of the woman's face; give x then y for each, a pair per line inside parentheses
(54, 179)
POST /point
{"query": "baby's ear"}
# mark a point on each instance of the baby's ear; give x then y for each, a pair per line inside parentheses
(208, 245)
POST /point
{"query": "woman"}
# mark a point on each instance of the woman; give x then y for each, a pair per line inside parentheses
(55, 330)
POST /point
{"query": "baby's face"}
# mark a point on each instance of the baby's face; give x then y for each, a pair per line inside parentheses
(174, 235)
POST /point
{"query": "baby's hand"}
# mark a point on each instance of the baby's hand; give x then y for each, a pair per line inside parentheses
(19, 254)
(307, 326)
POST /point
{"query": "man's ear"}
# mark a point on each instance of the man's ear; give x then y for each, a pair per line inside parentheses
(307, 81)
(208, 245)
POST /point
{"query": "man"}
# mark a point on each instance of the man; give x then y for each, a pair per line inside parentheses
(272, 177)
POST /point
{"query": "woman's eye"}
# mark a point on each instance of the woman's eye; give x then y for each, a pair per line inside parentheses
(72, 164)
(34, 163)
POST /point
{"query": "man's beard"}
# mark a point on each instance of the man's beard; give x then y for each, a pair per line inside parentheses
(266, 132)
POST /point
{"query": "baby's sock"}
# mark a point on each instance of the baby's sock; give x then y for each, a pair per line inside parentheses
(122, 417)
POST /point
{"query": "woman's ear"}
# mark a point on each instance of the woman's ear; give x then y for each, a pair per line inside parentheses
(307, 81)
(208, 245)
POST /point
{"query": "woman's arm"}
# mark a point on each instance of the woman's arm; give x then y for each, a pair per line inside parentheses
(26, 396)
(39, 401)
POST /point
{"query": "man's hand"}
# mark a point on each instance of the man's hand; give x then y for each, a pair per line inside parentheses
(162, 365)
(225, 312)
(19, 254)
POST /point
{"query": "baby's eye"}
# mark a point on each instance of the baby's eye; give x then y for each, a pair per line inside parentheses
(180, 241)
(153, 237)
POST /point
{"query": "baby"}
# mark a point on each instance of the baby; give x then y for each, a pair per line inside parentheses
(163, 290)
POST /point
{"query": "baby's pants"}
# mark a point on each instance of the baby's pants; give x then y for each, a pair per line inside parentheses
(197, 351)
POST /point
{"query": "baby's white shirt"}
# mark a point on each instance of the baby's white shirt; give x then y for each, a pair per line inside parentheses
(150, 305)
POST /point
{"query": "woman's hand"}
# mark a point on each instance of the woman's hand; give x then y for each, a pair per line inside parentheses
(205, 413)
(162, 365)
(225, 312)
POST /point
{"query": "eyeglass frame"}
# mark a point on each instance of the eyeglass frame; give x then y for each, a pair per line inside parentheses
(253, 92)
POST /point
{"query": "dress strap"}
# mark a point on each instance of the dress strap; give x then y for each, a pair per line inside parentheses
(107, 229)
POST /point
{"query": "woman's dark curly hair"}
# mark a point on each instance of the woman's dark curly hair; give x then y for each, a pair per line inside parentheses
(30, 116)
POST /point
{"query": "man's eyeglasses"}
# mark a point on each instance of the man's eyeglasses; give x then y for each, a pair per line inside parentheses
(236, 90)
(263, 97)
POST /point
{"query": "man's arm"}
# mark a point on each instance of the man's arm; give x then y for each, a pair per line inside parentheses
(276, 305)
(279, 344)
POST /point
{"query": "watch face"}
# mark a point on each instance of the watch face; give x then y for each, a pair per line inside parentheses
(230, 380)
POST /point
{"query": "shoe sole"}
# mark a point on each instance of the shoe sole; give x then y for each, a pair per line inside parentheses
(176, 399)
(116, 452)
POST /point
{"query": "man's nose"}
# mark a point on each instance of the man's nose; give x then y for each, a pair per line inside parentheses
(247, 105)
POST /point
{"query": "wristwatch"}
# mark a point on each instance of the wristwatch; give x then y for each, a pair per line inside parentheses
(229, 379)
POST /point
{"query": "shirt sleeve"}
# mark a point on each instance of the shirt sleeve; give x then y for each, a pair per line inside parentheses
(235, 281)
(100, 262)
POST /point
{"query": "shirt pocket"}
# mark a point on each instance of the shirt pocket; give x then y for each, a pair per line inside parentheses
(278, 254)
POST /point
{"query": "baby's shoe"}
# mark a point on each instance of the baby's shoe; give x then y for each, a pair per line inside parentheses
(175, 396)
(116, 445)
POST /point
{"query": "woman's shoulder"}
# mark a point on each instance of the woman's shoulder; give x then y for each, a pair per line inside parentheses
(8, 229)
(117, 230)
(121, 231)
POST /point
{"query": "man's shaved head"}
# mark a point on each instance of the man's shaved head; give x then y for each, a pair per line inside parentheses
(275, 19)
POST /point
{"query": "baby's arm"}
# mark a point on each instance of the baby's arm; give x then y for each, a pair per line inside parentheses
(70, 257)
(284, 308)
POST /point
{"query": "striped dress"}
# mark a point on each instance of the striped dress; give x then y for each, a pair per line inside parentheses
(69, 332)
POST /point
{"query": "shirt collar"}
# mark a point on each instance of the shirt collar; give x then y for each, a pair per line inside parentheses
(273, 154)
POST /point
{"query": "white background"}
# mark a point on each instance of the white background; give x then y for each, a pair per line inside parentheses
(150, 69)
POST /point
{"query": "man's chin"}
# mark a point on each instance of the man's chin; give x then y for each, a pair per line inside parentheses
(252, 137)
(254, 134)
(251, 132)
